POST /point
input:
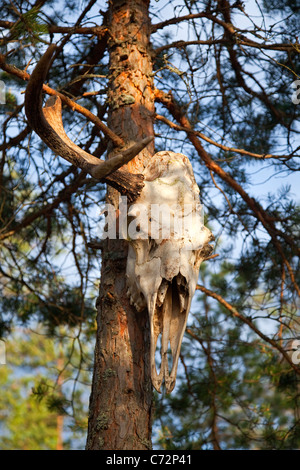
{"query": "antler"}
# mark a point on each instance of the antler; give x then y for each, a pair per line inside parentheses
(47, 123)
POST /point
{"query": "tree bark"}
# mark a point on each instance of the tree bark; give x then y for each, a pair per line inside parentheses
(121, 397)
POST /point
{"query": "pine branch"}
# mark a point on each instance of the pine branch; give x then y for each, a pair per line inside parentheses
(168, 101)
(251, 325)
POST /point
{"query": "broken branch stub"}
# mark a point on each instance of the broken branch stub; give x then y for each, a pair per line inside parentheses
(165, 254)
(47, 123)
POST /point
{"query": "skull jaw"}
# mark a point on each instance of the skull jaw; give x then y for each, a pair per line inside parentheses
(163, 376)
(168, 305)
(169, 320)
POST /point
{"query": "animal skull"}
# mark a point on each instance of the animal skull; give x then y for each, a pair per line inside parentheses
(165, 254)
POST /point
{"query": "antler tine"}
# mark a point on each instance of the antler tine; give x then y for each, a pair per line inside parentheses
(47, 123)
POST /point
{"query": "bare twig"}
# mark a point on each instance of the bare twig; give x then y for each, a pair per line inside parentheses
(268, 223)
(221, 146)
(249, 322)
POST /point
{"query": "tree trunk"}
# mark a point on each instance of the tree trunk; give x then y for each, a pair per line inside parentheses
(121, 397)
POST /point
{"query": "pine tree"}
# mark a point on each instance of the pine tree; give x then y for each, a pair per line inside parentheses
(216, 80)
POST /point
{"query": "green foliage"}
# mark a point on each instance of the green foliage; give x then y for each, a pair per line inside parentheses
(233, 392)
(36, 394)
(30, 26)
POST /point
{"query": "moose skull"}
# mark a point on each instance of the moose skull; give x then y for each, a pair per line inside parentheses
(165, 255)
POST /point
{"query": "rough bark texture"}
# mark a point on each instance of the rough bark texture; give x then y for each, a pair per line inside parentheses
(131, 93)
(121, 398)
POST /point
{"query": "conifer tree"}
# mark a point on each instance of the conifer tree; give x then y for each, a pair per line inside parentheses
(217, 80)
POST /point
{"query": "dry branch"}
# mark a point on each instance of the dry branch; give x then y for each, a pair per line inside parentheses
(250, 323)
(221, 146)
(55, 29)
(268, 223)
